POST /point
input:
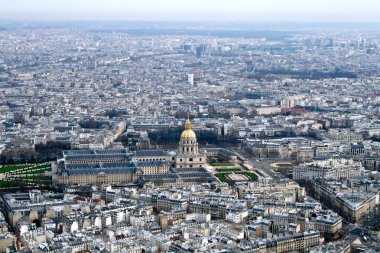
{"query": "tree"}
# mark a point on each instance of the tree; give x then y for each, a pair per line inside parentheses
(91, 124)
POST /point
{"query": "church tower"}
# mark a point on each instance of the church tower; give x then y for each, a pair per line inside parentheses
(188, 153)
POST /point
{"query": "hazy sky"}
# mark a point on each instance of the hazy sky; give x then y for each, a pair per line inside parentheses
(236, 10)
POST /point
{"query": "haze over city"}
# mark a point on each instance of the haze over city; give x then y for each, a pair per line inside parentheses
(194, 10)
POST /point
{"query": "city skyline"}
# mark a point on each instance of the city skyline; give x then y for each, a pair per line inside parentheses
(189, 126)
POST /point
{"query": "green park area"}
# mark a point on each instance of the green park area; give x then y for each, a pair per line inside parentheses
(222, 164)
(222, 175)
(9, 168)
(217, 162)
(25, 175)
(4, 184)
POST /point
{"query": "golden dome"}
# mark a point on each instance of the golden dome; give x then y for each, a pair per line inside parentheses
(188, 133)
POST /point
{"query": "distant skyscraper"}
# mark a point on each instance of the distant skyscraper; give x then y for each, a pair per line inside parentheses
(91, 62)
(200, 50)
(248, 61)
(186, 47)
(190, 79)
(362, 44)
(195, 78)
(249, 66)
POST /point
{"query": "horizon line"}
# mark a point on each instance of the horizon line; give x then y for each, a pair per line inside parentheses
(193, 21)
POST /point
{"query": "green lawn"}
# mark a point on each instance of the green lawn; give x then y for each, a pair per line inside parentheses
(32, 170)
(222, 176)
(8, 168)
(228, 170)
(43, 166)
(8, 183)
(251, 175)
(26, 174)
(33, 180)
(222, 164)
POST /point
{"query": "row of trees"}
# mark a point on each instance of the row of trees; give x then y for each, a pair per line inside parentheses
(42, 153)
(92, 124)
(171, 136)
(312, 74)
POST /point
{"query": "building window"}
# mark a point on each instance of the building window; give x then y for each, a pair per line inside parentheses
(200, 159)
(190, 159)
